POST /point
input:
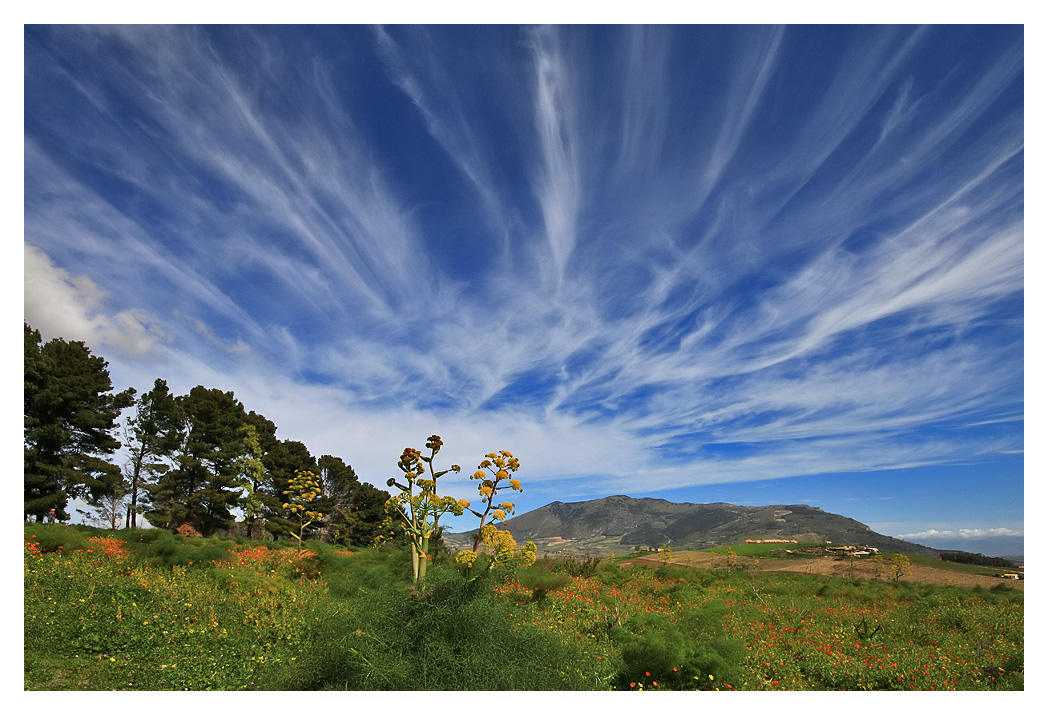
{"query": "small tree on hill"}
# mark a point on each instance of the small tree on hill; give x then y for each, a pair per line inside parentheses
(302, 494)
(893, 569)
(108, 510)
(666, 554)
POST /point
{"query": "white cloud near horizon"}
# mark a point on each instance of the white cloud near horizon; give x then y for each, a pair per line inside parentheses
(74, 307)
(934, 534)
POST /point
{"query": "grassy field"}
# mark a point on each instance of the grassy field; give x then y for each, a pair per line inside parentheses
(151, 611)
(962, 568)
(779, 551)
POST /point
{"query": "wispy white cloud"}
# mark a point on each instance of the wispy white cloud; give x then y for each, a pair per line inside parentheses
(558, 188)
(662, 286)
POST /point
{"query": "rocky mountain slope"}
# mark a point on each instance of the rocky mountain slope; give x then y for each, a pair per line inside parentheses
(621, 524)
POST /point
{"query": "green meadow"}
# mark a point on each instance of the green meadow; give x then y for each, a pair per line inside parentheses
(149, 610)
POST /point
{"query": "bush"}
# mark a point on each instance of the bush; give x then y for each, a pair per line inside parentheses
(52, 537)
(541, 581)
(572, 566)
(453, 635)
(171, 550)
(679, 656)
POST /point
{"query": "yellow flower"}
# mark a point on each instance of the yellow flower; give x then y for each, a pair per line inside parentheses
(466, 558)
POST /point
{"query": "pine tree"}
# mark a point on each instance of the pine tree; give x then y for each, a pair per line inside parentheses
(281, 462)
(202, 489)
(355, 510)
(151, 435)
(70, 414)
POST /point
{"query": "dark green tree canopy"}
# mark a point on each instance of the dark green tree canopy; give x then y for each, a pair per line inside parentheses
(152, 435)
(70, 416)
(202, 489)
(190, 459)
(354, 509)
(281, 462)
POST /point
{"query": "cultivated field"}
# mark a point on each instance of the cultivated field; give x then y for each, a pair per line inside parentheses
(944, 574)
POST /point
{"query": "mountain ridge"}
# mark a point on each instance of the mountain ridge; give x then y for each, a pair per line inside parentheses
(624, 523)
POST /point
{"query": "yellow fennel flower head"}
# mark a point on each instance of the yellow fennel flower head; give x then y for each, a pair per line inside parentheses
(504, 544)
(528, 557)
(456, 468)
(507, 505)
(498, 514)
(501, 474)
(485, 464)
(485, 491)
(492, 455)
(515, 484)
(479, 475)
(463, 503)
(504, 453)
(466, 558)
(500, 462)
(487, 532)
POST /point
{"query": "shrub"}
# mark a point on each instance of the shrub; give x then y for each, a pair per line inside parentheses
(54, 537)
(573, 566)
(171, 550)
(453, 635)
(541, 581)
(679, 656)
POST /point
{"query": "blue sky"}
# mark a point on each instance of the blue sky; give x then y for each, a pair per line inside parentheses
(702, 263)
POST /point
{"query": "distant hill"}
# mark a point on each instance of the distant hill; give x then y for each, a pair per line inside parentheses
(621, 523)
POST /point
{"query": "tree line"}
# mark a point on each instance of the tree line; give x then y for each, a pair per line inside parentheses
(966, 557)
(189, 461)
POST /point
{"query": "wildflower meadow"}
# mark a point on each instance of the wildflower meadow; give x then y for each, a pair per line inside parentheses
(149, 610)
